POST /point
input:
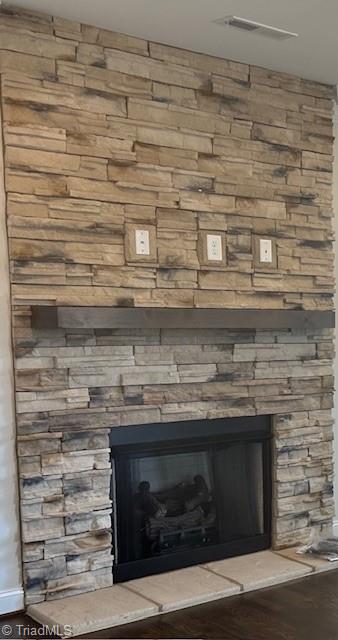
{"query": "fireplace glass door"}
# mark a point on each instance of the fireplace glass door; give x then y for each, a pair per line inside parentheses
(177, 502)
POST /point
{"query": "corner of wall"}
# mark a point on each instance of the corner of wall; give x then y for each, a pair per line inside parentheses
(11, 593)
(335, 409)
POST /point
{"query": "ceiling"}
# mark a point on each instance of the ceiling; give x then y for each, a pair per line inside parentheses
(189, 24)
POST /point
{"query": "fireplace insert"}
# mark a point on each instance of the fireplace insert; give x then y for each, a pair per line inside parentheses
(189, 492)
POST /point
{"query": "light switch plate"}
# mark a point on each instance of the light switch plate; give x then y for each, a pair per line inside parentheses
(142, 242)
(214, 248)
(211, 249)
(265, 250)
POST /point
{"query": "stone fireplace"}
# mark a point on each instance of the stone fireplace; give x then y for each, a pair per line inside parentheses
(136, 377)
(104, 135)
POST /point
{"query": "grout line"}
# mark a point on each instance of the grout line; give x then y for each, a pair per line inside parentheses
(298, 561)
(220, 575)
(124, 586)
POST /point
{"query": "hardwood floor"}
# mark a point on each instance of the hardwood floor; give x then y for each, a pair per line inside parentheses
(302, 610)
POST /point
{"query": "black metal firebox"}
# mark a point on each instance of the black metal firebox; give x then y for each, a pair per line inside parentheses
(189, 492)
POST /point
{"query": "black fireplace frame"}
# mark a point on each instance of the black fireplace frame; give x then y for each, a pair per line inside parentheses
(149, 439)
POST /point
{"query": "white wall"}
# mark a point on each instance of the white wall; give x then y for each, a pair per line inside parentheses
(335, 226)
(11, 593)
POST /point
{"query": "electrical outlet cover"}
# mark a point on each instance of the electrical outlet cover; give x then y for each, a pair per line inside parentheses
(214, 248)
(140, 243)
(211, 249)
(264, 253)
(265, 250)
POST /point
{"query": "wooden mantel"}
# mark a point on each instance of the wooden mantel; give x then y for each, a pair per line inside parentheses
(48, 317)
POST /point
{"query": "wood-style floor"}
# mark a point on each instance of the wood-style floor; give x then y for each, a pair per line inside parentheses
(302, 610)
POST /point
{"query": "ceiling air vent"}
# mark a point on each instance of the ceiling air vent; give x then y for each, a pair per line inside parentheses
(255, 27)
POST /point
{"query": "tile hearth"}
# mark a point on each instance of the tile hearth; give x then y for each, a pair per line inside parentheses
(146, 597)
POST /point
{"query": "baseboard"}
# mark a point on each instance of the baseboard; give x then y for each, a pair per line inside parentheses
(11, 600)
(335, 527)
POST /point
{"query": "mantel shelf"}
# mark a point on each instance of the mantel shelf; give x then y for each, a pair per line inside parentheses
(48, 317)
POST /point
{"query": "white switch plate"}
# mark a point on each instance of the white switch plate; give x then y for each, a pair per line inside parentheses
(142, 242)
(214, 248)
(265, 250)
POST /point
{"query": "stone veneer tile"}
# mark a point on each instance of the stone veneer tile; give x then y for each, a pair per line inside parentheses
(310, 560)
(258, 570)
(183, 588)
(93, 611)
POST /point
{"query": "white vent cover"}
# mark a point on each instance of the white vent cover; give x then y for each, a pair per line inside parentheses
(249, 26)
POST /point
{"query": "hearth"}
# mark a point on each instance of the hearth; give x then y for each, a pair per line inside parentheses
(189, 492)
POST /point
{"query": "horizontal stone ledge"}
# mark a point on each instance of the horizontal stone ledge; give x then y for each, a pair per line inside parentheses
(48, 317)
